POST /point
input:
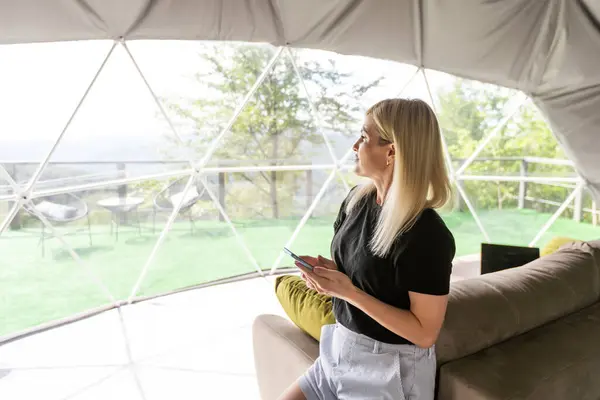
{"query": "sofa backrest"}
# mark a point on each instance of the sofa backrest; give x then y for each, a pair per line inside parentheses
(491, 308)
(595, 244)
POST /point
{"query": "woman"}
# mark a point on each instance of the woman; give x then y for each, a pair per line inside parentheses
(392, 259)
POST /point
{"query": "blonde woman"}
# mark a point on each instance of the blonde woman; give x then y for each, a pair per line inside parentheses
(392, 259)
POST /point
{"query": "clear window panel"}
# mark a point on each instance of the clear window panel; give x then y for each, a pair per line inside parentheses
(347, 172)
(525, 146)
(461, 221)
(201, 84)
(264, 209)
(576, 221)
(514, 144)
(7, 188)
(514, 206)
(199, 247)
(119, 132)
(315, 236)
(111, 230)
(269, 215)
(42, 84)
(343, 87)
(417, 88)
(496, 205)
(6, 208)
(276, 126)
(590, 210)
(467, 110)
(41, 281)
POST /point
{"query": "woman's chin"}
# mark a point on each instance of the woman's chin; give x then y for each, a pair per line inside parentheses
(358, 170)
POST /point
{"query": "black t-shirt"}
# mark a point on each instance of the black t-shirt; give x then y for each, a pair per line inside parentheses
(420, 261)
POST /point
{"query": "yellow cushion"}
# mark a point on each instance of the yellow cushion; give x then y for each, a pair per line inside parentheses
(555, 243)
(306, 308)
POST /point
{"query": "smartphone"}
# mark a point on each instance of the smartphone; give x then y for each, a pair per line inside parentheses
(295, 257)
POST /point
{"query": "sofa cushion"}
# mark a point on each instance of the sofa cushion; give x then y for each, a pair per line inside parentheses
(494, 307)
(308, 309)
(560, 360)
(282, 353)
(595, 245)
(55, 211)
(592, 246)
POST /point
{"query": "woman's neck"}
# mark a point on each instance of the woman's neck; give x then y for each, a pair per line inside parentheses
(382, 186)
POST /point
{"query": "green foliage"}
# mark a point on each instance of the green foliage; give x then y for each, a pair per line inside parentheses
(276, 125)
(250, 196)
(148, 187)
(469, 110)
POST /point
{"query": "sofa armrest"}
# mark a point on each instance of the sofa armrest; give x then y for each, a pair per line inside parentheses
(282, 353)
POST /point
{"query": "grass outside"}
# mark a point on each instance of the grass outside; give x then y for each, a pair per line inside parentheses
(36, 289)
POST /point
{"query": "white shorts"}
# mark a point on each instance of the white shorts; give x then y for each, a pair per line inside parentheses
(354, 366)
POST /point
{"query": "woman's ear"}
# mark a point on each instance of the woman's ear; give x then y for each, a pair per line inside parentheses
(392, 150)
(390, 154)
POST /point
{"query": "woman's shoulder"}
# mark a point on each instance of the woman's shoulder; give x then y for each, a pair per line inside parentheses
(431, 224)
(428, 237)
(431, 216)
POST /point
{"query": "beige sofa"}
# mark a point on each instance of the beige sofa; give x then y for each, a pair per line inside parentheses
(531, 332)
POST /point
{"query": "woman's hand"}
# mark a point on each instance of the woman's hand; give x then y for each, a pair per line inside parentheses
(319, 261)
(325, 278)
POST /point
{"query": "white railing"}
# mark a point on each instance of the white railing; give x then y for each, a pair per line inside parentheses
(568, 182)
(120, 178)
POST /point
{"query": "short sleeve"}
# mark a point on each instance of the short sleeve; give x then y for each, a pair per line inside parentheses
(429, 256)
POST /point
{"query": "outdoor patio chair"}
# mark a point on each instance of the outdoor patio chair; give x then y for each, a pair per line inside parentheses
(59, 210)
(167, 199)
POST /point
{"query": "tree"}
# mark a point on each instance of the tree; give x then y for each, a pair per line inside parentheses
(468, 111)
(276, 125)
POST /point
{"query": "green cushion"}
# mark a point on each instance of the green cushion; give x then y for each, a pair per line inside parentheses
(555, 243)
(306, 308)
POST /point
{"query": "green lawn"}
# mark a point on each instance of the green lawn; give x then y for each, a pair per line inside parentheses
(36, 289)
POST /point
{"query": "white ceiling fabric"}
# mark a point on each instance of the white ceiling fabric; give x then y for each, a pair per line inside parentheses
(549, 49)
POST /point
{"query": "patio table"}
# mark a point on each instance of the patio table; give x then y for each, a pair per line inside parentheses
(119, 206)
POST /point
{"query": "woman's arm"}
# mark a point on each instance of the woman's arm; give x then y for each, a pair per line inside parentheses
(420, 325)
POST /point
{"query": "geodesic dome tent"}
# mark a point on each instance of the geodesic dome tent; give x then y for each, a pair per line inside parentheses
(202, 136)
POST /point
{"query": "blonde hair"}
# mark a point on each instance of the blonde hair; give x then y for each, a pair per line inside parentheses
(420, 179)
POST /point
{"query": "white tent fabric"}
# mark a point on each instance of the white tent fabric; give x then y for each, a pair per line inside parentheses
(549, 49)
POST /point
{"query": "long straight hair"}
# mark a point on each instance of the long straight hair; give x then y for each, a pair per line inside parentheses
(420, 178)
